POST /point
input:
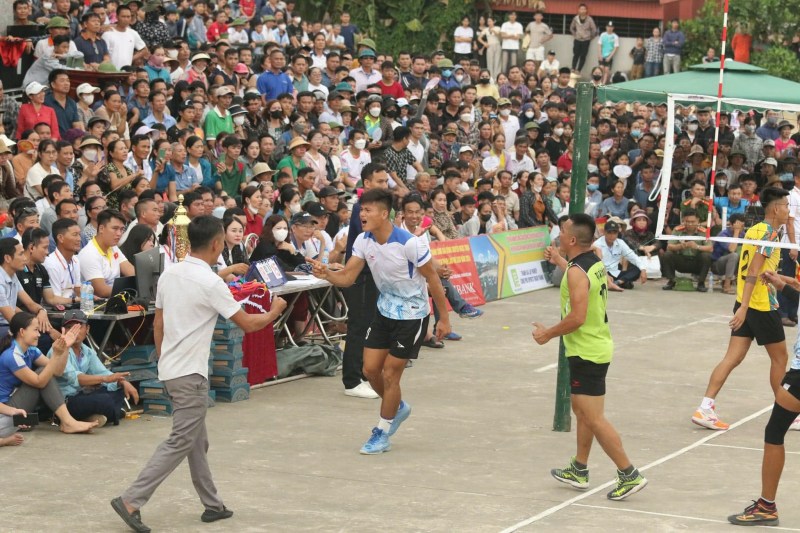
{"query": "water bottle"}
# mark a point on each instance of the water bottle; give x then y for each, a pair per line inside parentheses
(323, 255)
(87, 298)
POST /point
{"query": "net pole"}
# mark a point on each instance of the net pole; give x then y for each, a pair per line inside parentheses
(717, 117)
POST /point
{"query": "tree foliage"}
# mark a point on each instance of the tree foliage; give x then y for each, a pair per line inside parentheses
(771, 23)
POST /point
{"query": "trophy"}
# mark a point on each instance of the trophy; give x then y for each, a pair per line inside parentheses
(180, 230)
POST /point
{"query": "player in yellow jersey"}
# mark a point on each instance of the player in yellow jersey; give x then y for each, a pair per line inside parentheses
(755, 314)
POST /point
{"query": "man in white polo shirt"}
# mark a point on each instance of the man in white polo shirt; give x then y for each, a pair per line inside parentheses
(101, 260)
(190, 296)
(62, 265)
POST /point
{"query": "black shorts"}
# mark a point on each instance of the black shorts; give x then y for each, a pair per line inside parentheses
(605, 62)
(586, 377)
(791, 382)
(403, 338)
(763, 326)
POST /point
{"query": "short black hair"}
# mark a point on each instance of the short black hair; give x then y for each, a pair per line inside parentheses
(772, 194)
(62, 203)
(412, 199)
(690, 213)
(8, 246)
(377, 196)
(736, 217)
(106, 215)
(54, 187)
(32, 236)
(584, 228)
(203, 230)
(400, 133)
(370, 169)
(62, 225)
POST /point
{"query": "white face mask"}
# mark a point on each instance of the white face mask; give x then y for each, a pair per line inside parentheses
(591, 168)
(294, 209)
(505, 112)
(280, 234)
(558, 132)
(537, 188)
(90, 155)
(88, 99)
(529, 114)
(282, 27)
(692, 127)
(238, 120)
(47, 5)
(655, 131)
(465, 117)
(459, 77)
(253, 210)
(360, 144)
(375, 111)
(722, 183)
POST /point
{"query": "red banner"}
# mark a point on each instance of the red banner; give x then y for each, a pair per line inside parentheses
(457, 255)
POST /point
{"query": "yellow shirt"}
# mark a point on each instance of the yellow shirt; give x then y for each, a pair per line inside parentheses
(764, 297)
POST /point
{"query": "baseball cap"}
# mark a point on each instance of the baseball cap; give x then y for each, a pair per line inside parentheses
(770, 161)
(551, 52)
(6, 140)
(466, 148)
(450, 129)
(4, 148)
(87, 88)
(240, 68)
(222, 91)
(315, 209)
(237, 110)
(503, 101)
(75, 315)
(611, 226)
(186, 104)
(329, 191)
(302, 218)
(34, 88)
(769, 142)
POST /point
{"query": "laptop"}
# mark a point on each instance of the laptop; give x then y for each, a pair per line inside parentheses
(124, 284)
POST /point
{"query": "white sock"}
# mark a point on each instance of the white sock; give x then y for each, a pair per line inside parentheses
(384, 424)
(707, 403)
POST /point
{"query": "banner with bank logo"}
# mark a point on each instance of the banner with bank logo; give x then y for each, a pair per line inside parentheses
(499, 265)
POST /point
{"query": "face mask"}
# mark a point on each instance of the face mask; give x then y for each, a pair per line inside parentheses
(459, 77)
(88, 99)
(282, 27)
(200, 68)
(485, 154)
(772, 120)
(294, 209)
(486, 218)
(636, 133)
(465, 117)
(505, 112)
(484, 81)
(275, 114)
(596, 77)
(447, 73)
(655, 131)
(750, 128)
(299, 128)
(47, 5)
(90, 155)
(722, 183)
(360, 144)
(253, 210)
(529, 114)
(238, 120)
(591, 168)
(558, 132)
(692, 127)
(280, 234)
(375, 111)
(592, 187)
(537, 188)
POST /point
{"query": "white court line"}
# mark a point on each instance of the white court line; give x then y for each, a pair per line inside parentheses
(744, 448)
(546, 368)
(623, 509)
(664, 459)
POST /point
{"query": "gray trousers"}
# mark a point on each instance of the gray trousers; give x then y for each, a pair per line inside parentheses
(188, 440)
(726, 265)
(27, 398)
(672, 63)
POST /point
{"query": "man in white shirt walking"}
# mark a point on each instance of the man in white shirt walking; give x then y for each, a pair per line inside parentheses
(190, 297)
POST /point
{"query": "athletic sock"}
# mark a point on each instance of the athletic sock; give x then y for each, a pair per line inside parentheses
(384, 424)
(580, 466)
(628, 471)
(766, 503)
(707, 403)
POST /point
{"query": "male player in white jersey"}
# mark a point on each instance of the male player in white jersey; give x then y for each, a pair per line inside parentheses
(402, 267)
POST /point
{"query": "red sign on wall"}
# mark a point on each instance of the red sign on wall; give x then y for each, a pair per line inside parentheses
(457, 255)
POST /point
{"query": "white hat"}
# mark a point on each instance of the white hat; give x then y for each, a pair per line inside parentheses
(771, 161)
(87, 88)
(225, 89)
(34, 88)
(145, 130)
(466, 148)
(6, 140)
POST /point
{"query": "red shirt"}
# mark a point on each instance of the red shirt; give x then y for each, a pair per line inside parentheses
(394, 90)
(564, 163)
(28, 118)
(247, 7)
(254, 224)
(215, 30)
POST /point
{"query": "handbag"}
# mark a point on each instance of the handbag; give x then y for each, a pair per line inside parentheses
(652, 265)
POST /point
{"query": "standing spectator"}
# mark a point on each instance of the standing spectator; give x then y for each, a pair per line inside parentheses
(741, 43)
(654, 58)
(583, 30)
(89, 43)
(365, 75)
(769, 130)
(196, 29)
(638, 53)
(124, 44)
(607, 46)
(540, 33)
(490, 38)
(274, 82)
(463, 37)
(65, 107)
(674, 39)
(349, 32)
(511, 33)
(152, 30)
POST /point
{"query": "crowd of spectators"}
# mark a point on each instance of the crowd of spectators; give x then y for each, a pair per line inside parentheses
(275, 124)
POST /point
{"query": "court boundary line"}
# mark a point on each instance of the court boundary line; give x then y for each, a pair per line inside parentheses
(744, 448)
(566, 503)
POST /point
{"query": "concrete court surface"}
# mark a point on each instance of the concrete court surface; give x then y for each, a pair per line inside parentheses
(474, 456)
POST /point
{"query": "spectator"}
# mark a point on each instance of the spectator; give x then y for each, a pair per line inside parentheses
(124, 44)
(511, 33)
(691, 256)
(89, 43)
(490, 39)
(140, 239)
(583, 30)
(63, 268)
(57, 191)
(674, 41)
(534, 207)
(638, 54)
(607, 46)
(711, 56)
(463, 37)
(44, 167)
(36, 111)
(101, 261)
(733, 201)
(219, 119)
(12, 295)
(622, 264)
(725, 256)
(540, 34)
(654, 59)
(65, 107)
(615, 205)
(741, 43)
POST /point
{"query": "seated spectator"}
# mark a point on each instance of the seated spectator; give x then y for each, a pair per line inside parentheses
(57, 191)
(44, 167)
(725, 256)
(466, 212)
(147, 213)
(12, 295)
(101, 260)
(233, 253)
(697, 201)
(733, 201)
(480, 224)
(622, 264)
(24, 215)
(640, 238)
(501, 219)
(140, 239)
(441, 217)
(21, 386)
(62, 265)
(275, 241)
(92, 392)
(93, 207)
(615, 205)
(687, 256)
(535, 209)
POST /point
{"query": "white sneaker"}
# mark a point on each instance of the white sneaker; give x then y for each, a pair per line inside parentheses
(795, 425)
(362, 390)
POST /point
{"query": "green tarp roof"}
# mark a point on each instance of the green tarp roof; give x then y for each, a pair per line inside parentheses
(741, 80)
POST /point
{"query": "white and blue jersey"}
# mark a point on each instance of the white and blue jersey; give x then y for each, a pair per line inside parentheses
(395, 268)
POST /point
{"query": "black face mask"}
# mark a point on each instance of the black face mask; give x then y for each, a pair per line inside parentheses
(596, 77)
(441, 106)
(276, 114)
(483, 81)
(486, 218)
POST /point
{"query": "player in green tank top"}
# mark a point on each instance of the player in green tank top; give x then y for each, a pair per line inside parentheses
(587, 339)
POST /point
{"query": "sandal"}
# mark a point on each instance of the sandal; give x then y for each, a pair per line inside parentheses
(433, 342)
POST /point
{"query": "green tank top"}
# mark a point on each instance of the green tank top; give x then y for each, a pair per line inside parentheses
(592, 341)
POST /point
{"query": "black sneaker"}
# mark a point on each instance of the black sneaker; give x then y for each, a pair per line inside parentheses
(210, 515)
(669, 286)
(701, 287)
(133, 520)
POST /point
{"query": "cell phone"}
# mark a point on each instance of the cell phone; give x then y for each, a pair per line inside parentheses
(31, 420)
(162, 153)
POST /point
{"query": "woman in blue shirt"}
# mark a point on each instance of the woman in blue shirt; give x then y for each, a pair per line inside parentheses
(615, 205)
(21, 386)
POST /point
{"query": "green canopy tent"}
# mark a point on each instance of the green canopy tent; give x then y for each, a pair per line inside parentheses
(744, 87)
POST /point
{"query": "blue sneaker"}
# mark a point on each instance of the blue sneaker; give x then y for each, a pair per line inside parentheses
(452, 336)
(377, 443)
(470, 312)
(403, 412)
